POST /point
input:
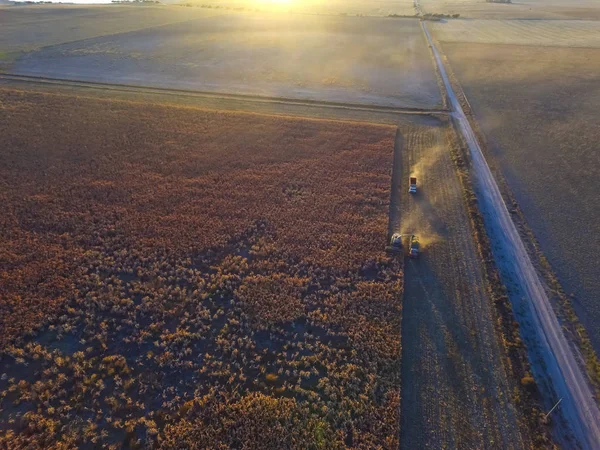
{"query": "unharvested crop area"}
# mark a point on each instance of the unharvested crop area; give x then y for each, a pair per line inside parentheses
(193, 278)
(537, 107)
(341, 59)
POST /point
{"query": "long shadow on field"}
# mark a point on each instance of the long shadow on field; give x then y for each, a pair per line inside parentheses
(453, 390)
(394, 214)
(435, 350)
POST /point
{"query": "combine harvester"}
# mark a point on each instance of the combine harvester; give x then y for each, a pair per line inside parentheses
(399, 242)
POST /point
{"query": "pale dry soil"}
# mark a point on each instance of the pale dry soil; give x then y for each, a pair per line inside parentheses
(547, 33)
(27, 28)
(338, 59)
(333, 7)
(538, 110)
(518, 9)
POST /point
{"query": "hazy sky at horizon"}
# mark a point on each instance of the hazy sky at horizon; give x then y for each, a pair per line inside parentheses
(83, 2)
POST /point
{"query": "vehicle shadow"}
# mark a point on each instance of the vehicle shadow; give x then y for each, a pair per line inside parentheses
(450, 391)
(395, 194)
(435, 349)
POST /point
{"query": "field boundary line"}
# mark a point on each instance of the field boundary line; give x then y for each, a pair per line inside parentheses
(217, 95)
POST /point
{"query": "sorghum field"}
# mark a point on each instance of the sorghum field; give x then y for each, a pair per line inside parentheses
(189, 278)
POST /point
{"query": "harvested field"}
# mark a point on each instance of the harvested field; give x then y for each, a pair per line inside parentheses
(337, 59)
(27, 28)
(547, 33)
(538, 110)
(456, 391)
(333, 7)
(518, 9)
(191, 277)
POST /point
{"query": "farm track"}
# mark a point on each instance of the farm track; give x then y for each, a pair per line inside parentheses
(455, 392)
(529, 296)
(217, 96)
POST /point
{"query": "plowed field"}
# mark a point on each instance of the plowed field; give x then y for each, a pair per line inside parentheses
(27, 28)
(336, 59)
(538, 110)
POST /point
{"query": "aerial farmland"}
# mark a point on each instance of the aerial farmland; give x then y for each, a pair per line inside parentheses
(258, 54)
(199, 208)
(549, 157)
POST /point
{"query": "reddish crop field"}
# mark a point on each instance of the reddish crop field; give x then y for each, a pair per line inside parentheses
(178, 277)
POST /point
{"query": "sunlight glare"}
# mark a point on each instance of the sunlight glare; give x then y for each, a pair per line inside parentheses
(273, 4)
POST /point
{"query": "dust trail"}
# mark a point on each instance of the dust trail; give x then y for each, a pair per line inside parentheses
(578, 406)
(425, 221)
(429, 239)
(424, 164)
(426, 234)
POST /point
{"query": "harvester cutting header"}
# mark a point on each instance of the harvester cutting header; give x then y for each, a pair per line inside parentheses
(399, 242)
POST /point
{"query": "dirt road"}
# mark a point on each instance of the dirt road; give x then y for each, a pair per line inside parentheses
(529, 296)
(455, 392)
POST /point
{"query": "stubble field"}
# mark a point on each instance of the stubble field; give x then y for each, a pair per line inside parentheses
(380, 8)
(537, 106)
(372, 61)
(458, 389)
(27, 28)
(198, 276)
(522, 9)
(546, 33)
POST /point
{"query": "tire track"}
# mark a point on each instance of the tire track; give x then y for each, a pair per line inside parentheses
(455, 393)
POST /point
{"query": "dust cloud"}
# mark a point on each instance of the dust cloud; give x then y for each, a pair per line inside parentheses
(424, 221)
(421, 167)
